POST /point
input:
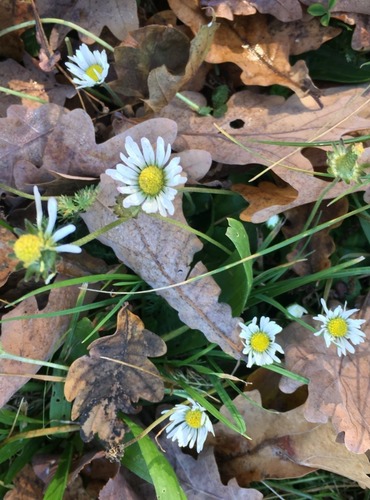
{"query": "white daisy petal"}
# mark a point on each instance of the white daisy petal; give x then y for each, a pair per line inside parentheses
(38, 204)
(338, 329)
(52, 213)
(147, 177)
(68, 248)
(63, 232)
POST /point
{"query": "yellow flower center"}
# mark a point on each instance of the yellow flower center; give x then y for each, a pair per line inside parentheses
(260, 341)
(94, 71)
(27, 248)
(194, 419)
(337, 327)
(151, 180)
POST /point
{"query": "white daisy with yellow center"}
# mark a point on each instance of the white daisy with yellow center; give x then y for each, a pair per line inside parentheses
(259, 341)
(37, 247)
(189, 425)
(339, 329)
(148, 176)
(89, 68)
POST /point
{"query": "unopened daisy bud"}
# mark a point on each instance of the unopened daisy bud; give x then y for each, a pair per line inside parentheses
(343, 162)
(89, 68)
(148, 176)
(339, 329)
(189, 425)
(259, 341)
(296, 310)
(273, 221)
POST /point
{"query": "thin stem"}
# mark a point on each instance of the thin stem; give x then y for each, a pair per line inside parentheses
(13, 357)
(98, 232)
(22, 95)
(114, 96)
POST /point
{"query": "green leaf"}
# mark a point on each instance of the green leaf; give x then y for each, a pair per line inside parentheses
(241, 287)
(317, 9)
(164, 478)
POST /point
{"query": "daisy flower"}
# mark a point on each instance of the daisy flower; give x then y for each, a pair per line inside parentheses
(37, 247)
(296, 310)
(259, 341)
(89, 68)
(189, 425)
(149, 177)
(339, 329)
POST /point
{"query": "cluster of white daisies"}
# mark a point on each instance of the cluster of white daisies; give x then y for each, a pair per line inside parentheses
(149, 178)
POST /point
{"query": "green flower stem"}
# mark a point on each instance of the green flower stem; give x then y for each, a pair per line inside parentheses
(192, 105)
(194, 231)
(286, 373)
(148, 429)
(13, 357)
(190, 189)
(21, 193)
(52, 20)
(22, 95)
(98, 232)
(114, 96)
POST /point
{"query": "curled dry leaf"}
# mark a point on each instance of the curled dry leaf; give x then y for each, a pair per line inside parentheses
(287, 11)
(32, 338)
(202, 475)
(282, 445)
(339, 389)
(119, 17)
(319, 247)
(251, 117)
(115, 375)
(162, 254)
(261, 46)
(7, 264)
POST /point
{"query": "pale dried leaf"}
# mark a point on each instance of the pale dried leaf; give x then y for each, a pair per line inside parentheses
(286, 11)
(283, 445)
(338, 388)
(32, 338)
(162, 254)
(251, 117)
(200, 479)
(119, 17)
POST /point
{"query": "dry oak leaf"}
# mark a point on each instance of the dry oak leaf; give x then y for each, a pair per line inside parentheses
(202, 475)
(287, 11)
(13, 12)
(30, 80)
(261, 46)
(252, 117)
(35, 145)
(339, 388)
(32, 338)
(156, 61)
(116, 374)
(162, 254)
(320, 246)
(93, 15)
(282, 445)
(7, 263)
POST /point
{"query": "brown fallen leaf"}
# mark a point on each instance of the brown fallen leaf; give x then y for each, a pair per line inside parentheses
(282, 445)
(116, 374)
(287, 11)
(261, 46)
(202, 475)
(119, 17)
(32, 338)
(320, 246)
(26, 485)
(162, 254)
(13, 12)
(252, 117)
(30, 80)
(339, 388)
(154, 62)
